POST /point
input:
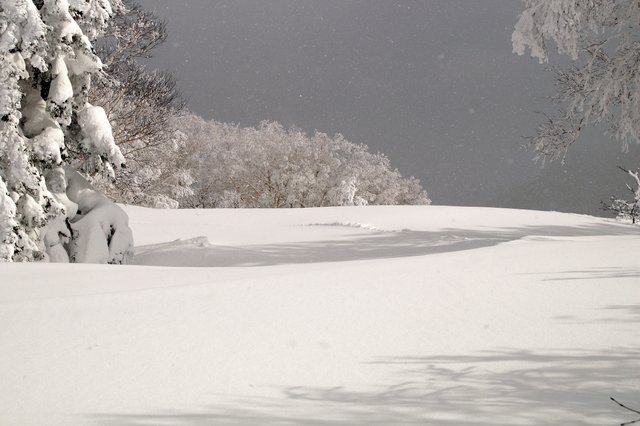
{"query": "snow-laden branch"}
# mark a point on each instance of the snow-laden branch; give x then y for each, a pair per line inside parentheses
(602, 86)
(47, 61)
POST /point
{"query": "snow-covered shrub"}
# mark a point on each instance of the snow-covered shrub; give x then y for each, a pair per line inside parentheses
(627, 210)
(46, 64)
(100, 229)
(272, 166)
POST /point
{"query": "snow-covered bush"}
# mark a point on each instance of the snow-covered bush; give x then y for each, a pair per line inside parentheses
(100, 229)
(271, 166)
(46, 64)
(627, 211)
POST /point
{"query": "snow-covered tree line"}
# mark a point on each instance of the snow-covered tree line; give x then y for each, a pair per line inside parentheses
(47, 210)
(271, 166)
(176, 158)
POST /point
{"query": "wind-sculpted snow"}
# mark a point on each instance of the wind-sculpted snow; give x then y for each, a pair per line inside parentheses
(425, 316)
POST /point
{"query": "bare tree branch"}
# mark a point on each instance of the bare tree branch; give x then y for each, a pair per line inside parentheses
(624, 406)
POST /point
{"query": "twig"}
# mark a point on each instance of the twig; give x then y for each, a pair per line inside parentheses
(624, 406)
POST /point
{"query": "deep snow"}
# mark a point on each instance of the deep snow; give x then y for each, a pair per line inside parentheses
(356, 315)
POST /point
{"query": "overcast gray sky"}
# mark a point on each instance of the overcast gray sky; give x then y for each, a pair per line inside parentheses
(431, 83)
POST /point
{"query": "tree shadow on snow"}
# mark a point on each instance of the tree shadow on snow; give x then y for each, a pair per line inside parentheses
(596, 274)
(612, 314)
(199, 252)
(504, 387)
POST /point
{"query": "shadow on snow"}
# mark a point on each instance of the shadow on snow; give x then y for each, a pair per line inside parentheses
(504, 387)
(198, 252)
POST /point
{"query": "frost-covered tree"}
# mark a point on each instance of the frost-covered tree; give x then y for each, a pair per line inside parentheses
(273, 167)
(47, 211)
(140, 104)
(602, 86)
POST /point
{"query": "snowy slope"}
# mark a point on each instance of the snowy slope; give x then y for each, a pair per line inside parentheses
(376, 316)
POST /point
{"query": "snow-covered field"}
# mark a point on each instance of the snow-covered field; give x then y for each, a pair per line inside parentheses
(362, 316)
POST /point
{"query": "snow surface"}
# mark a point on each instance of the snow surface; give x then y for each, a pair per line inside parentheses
(351, 315)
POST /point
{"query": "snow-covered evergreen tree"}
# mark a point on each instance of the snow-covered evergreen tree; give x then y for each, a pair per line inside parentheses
(603, 84)
(46, 64)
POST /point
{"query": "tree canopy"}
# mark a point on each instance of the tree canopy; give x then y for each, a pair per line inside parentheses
(602, 85)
